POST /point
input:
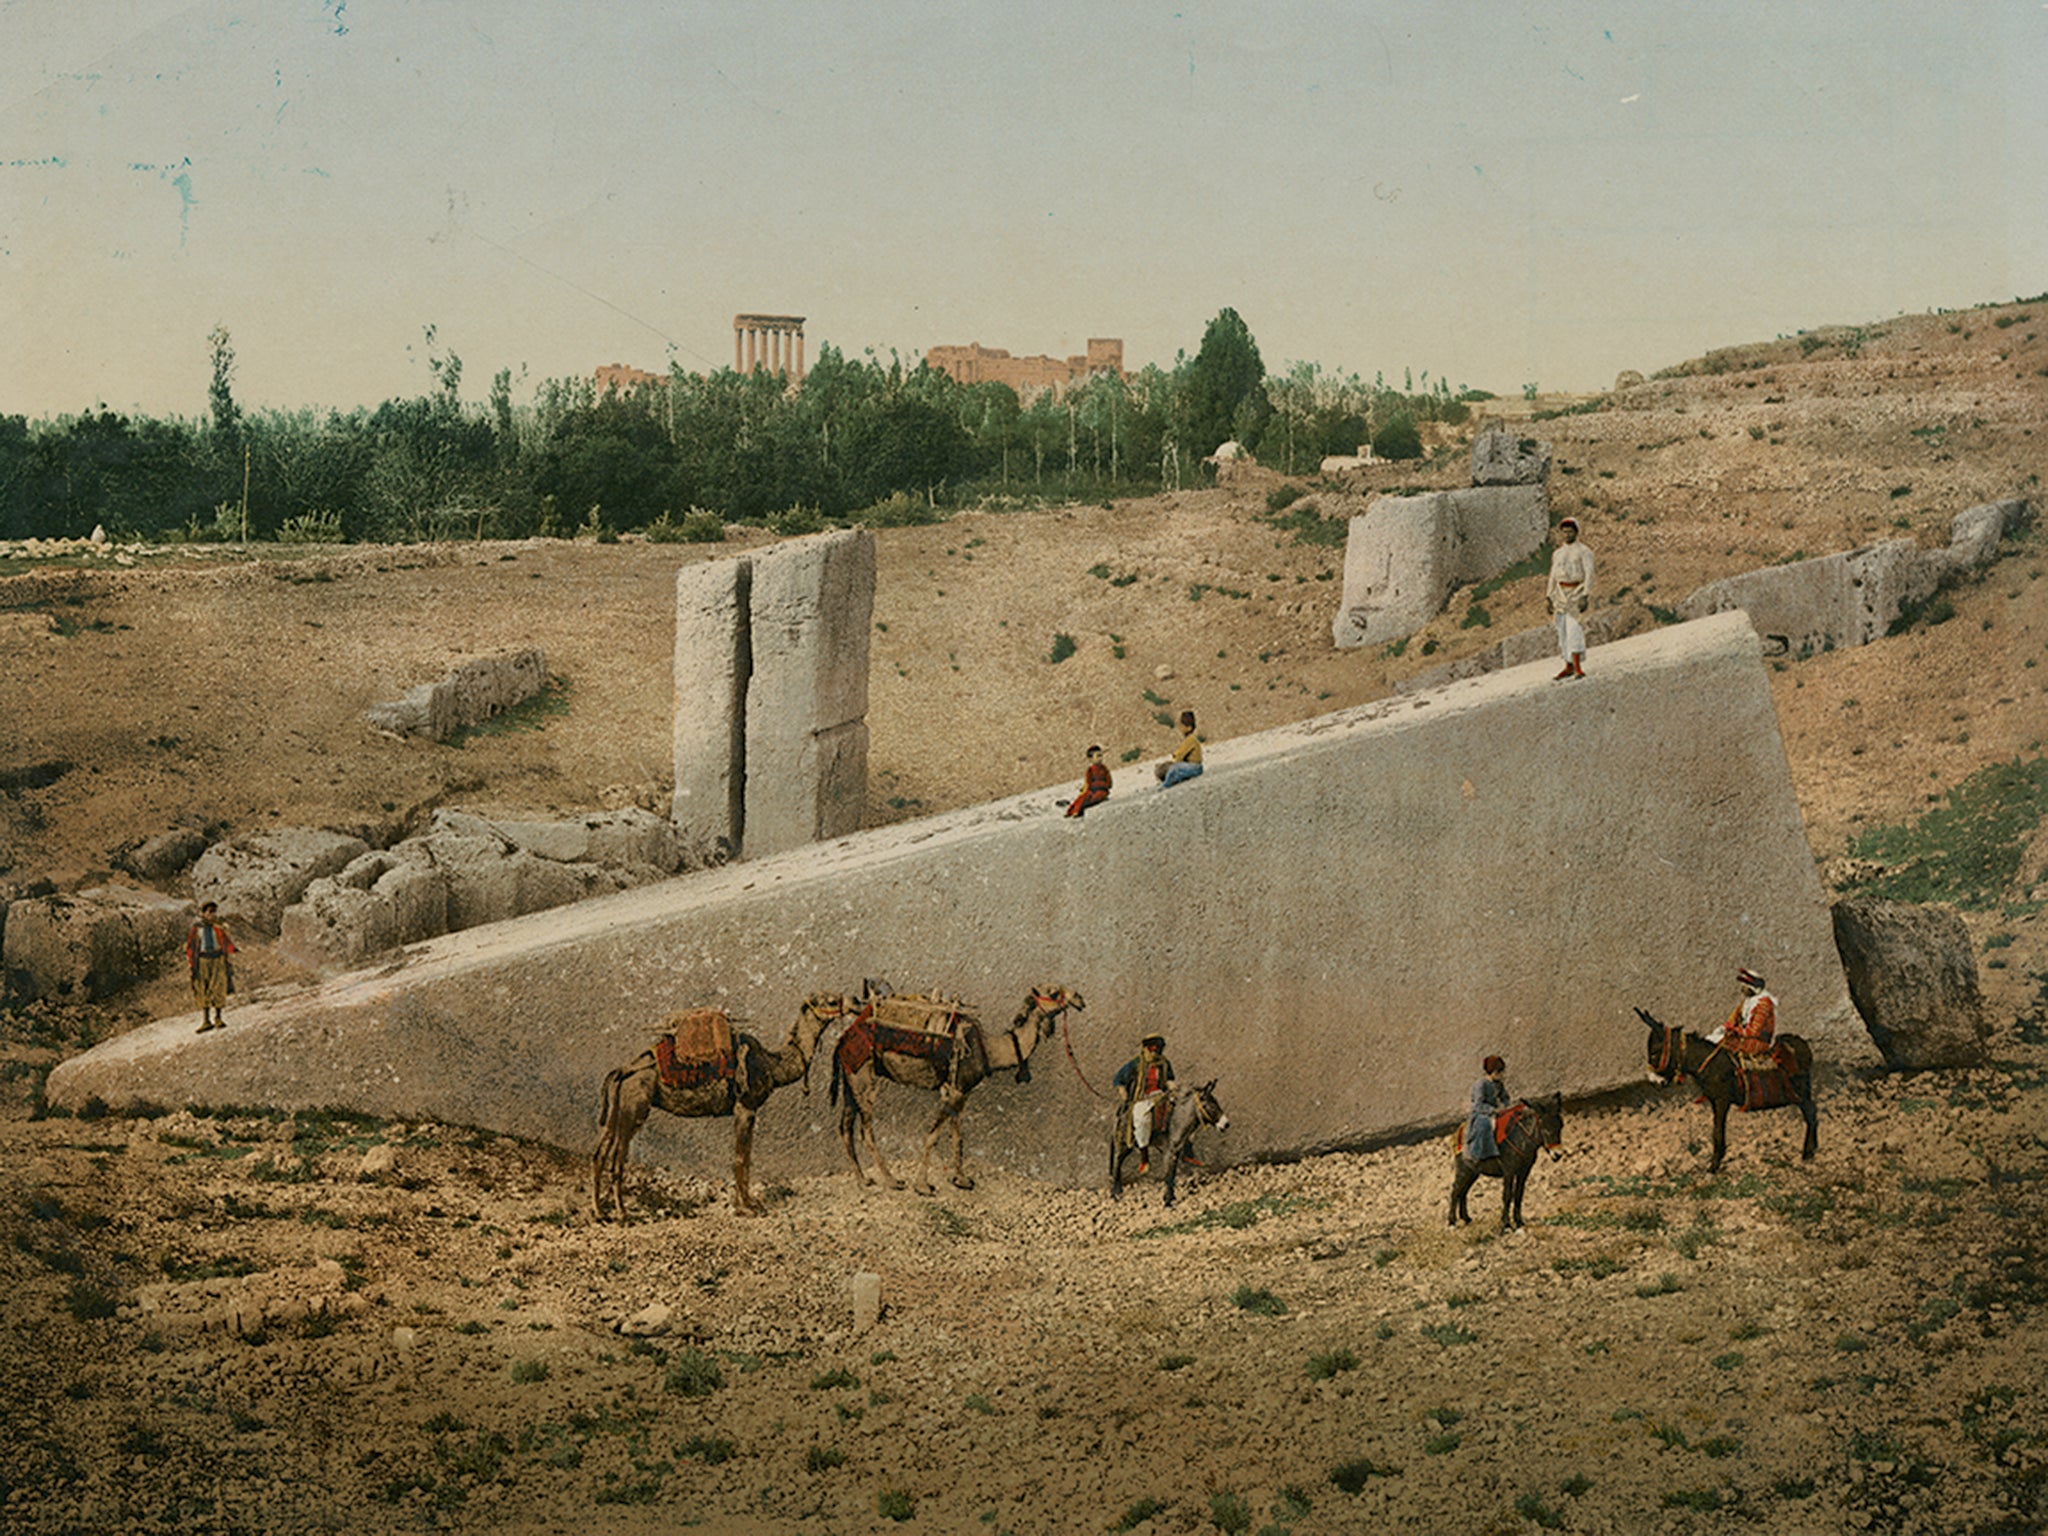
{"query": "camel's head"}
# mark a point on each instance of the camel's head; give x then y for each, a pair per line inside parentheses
(1049, 1003)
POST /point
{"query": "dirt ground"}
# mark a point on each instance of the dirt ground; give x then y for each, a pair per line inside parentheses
(256, 1322)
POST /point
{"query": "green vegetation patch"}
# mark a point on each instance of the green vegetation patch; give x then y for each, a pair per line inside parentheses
(1966, 851)
(528, 715)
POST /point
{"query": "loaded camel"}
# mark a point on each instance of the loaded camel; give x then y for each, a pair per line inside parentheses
(953, 1063)
(738, 1086)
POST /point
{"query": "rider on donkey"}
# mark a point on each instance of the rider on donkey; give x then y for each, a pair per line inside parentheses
(1751, 1028)
(1489, 1098)
(1146, 1079)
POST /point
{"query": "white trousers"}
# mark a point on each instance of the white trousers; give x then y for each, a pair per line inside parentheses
(1571, 635)
(1141, 1120)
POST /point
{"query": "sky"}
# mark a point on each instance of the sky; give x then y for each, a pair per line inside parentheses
(1496, 194)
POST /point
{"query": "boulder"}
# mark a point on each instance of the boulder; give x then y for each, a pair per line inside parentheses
(166, 854)
(254, 878)
(381, 901)
(89, 944)
(1500, 457)
(1404, 557)
(470, 695)
(1913, 978)
(630, 836)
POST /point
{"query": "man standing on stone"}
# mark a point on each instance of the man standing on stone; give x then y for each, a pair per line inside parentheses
(207, 948)
(1571, 587)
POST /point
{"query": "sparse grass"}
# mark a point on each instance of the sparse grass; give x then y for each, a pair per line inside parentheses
(1534, 1510)
(1449, 1335)
(1666, 1285)
(834, 1381)
(1175, 1362)
(823, 1458)
(1322, 1367)
(527, 1372)
(1236, 1216)
(1261, 1301)
(533, 714)
(1965, 852)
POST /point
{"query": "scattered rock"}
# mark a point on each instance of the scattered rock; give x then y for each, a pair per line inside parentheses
(650, 1321)
(254, 878)
(89, 944)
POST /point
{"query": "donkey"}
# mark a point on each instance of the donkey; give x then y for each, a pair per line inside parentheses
(1674, 1054)
(1534, 1128)
(1190, 1111)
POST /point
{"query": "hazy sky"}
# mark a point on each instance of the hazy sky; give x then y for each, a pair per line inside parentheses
(1499, 193)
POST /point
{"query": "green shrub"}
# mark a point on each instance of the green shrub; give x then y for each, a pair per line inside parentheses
(823, 1458)
(526, 1372)
(1398, 439)
(895, 1504)
(834, 1381)
(901, 509)
(1261, 1301)
(88, 1302)
(1137, 1514)
(796, 520)
(1063, 646)
(694, 1374)
(1228, 1512)
(1352, 1476)
(1323, 1366)
(1282, 497)
(696, 526)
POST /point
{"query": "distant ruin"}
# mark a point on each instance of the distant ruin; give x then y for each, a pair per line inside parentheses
(1028, 376)
(769, 343)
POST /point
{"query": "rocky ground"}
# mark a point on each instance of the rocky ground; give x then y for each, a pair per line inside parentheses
(251, 1322)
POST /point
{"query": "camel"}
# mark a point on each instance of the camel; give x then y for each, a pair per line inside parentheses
(632, 1091)
(858, 1062)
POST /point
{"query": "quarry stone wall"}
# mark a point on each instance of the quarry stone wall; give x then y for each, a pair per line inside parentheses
(1336, 922)
(771, 696)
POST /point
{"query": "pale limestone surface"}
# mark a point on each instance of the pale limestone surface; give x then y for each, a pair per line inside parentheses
(1407, 553)
(811, 612)
(469, 695)
(711, 667)
(1336, 921)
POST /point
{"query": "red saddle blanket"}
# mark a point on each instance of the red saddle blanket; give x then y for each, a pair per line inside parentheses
(864, 1037)
(1765, 1082)
(695, 1049)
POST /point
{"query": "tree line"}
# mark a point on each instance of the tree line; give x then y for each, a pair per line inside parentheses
(862, 440)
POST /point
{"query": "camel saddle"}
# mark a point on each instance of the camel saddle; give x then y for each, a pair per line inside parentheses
(696, 1048)
(925, 1027)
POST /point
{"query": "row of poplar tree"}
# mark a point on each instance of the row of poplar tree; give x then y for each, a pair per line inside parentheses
(861, 440)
